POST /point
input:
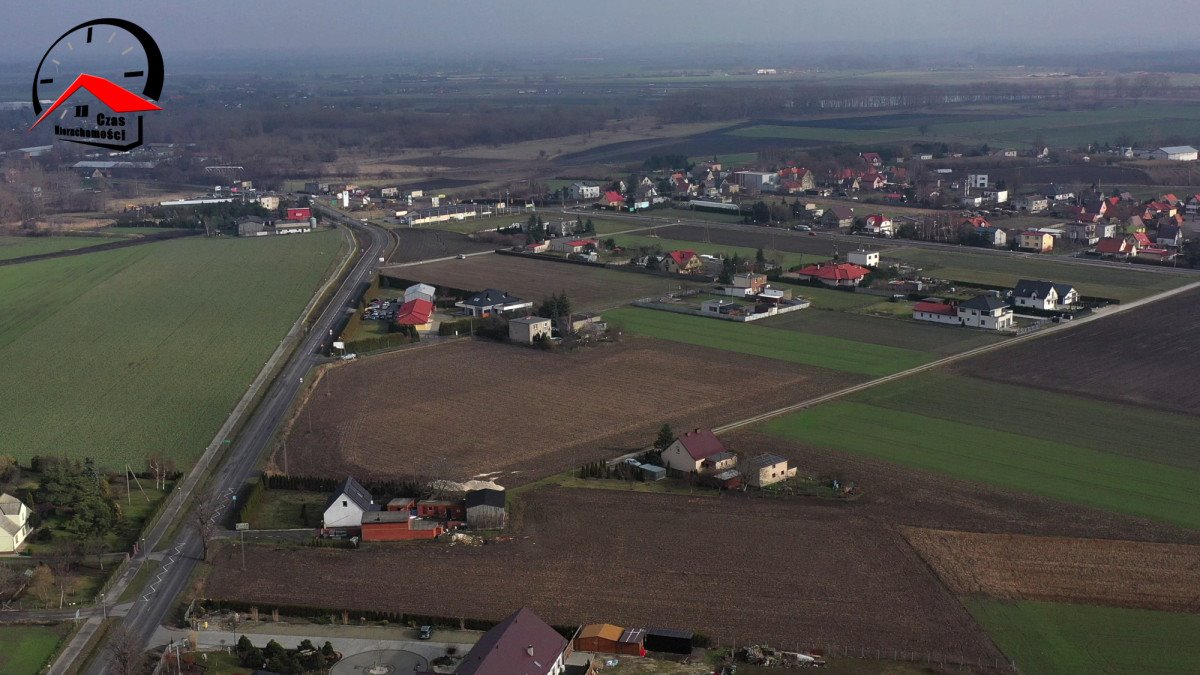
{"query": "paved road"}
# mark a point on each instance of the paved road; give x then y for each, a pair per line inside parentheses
(150, 610)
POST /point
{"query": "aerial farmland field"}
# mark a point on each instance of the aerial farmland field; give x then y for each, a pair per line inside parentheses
(1057, 638)
(18, 247)
(28, 648)
(1003, 458)
(818, 575)
(589, 288)
(106, 352)
(521, 413)
(1146, 356)
(1134, 574)
(776, 343)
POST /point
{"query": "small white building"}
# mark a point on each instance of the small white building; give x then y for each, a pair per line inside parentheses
(419, 292)
(1031, 203)
(766, 469)
(346, 507)
(762, 181)
(583, 191)
(863, 257)
(14, 523)
(977, 181)
(526, 330)
(292, 227)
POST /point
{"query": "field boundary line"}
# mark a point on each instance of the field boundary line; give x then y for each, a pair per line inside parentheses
(1102, 314)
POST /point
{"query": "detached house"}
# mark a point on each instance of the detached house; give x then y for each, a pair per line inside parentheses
(839, 216)
(682, 262)
(689, 451)
(767, 469)
(1039, 242)
(986, 311)
(345, 508)
(14, 523)
(492, 302)
(522, 644)
(1045, 295)
(840, 274)
(879, 225)
(1115, 247)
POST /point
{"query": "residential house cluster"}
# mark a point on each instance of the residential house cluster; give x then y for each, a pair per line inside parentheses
(352, 511)
(700, 453)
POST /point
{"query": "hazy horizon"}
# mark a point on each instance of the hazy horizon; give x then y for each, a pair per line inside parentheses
(463, 28)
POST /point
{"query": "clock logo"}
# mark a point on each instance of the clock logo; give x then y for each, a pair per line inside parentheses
(110, 71)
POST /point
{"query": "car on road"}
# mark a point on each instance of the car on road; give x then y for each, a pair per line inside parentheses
(461, 256)
(425, 633)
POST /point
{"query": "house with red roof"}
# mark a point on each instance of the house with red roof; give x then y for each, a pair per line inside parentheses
(417, 313)
(682, 262)
(936, 311)
(873, 159)
(831, 274)
(612, 199)
(1116, 247)
(689, 452)
(796, 179)
(565, 245)
(879, 225)
(1142, 240)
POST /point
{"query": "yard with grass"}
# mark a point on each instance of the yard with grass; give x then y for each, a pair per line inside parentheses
(288, 510)
(1122, 282)
(869, 324)
(634, 241)
(19, 247)
(1005, 459)
(25, 650)
(1044, 637)
(816, 350)
(105, 352)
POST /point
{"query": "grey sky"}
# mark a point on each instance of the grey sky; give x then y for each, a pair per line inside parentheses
(607, 26)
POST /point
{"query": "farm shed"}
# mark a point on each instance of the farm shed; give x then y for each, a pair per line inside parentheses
(669, 640)
(651, 472)
(767, 469)
(719, 461)
(440, 508)
(397, 526)
(401, 504)
(605, 638)
(485, 508)
(726, 480)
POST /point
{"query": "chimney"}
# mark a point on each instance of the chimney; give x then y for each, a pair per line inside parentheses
(529, 650)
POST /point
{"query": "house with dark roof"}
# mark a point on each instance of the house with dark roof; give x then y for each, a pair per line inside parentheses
(688, 452)
(1169, 234)
(492, 302)
(345, 508)
(986, 311)
(485, 508)
(1116, 247)
(522, 644)
(1045, 295)
(838, 216)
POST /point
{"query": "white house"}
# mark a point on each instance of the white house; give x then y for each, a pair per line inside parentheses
(762, 181)
(1177, 153)
(1032, 203)
(977, 181)
(936, 311)
(583, 191)
(879, 225)
(14, 523)
(863, 257)
(346, 507)
(986, 311)
(1044, 295)
(689, 450)
(767, 469)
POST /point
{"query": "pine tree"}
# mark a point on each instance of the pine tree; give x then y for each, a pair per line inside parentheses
(665, 437)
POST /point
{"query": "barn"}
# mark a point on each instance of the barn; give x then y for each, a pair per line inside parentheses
(605, 638)
(397, 526)
(485, 508)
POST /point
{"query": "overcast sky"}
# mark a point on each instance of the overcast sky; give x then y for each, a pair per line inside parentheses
(607, 26)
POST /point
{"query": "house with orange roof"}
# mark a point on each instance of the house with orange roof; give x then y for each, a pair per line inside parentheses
(682, 262)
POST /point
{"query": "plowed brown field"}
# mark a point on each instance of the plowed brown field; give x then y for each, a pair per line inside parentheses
(788, 572)
(1060, 569)
(477, 407)
(1145, 356)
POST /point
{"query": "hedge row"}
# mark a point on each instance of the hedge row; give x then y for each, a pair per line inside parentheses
(323, 484)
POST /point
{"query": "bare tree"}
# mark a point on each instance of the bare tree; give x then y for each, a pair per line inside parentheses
(162, 466)
(125, 654)
(10, 582)
(204, 520)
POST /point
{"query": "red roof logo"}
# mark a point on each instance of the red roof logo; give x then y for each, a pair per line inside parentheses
(117, 98)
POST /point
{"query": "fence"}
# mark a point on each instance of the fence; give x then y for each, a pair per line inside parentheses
(961, 661)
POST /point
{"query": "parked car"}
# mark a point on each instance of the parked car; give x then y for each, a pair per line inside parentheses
(425, 633)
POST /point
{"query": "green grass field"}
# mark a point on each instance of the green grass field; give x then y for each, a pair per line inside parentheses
(1063, 639)
(636, 240)
(19, 247)
(118, 353)
(1118, 282)
(1144, 124)
(902, 332)
(814, 350)
(1160, 437)
(1006, 459)
(280, 510)
(24, 650)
